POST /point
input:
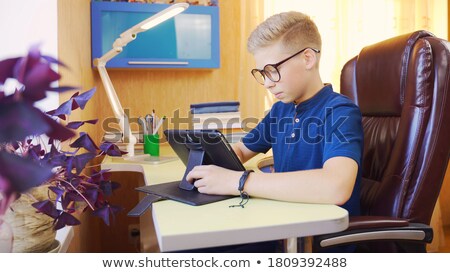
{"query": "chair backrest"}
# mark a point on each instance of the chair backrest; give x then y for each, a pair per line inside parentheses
(402, 87)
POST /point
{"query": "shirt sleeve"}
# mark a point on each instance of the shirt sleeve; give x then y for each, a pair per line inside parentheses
(343, 132)
(258, 139)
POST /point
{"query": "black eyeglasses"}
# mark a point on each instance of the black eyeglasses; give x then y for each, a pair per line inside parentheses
(271, 70)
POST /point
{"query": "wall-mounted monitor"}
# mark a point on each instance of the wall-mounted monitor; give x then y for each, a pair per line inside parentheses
(189, 40)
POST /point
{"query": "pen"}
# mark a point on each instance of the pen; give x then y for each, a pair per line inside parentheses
(155, 120)
(151, 125)
(148, 121)
(159, 124)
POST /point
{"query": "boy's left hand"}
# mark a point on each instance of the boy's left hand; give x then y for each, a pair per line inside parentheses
(211, 179)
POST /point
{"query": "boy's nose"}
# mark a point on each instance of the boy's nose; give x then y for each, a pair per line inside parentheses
(268, 83)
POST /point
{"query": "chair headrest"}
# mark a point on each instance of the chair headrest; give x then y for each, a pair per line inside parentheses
(381, 74)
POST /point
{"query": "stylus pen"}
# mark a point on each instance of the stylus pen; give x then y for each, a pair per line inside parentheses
(150, 125)
(159, 124)
(148, 122)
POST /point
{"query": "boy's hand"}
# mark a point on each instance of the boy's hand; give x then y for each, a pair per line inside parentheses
(211, 179)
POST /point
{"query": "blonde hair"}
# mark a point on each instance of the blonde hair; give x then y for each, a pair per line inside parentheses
(295, 29)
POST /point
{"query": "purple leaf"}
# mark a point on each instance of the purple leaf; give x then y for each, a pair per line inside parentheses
(37, 81)
(27, 63)
(69, 166)
(66, 219)
(6, 69)
(103, 213)
(58, 191)
(31, 174)
(91, 195)
(52, 114)
(65, 201)
(64, 109)
(80, 161)
(52, 60)
(36, 152)
(15, 145)
(68, 198)
(108, 187)
(86, 142)
(98, 176)
(76, 182)
(19, 120)
(77, 124)
(74, 196)
(55, 158)
(74, 125)
(91, 121)
(46, 207)
(106, 211)
(83, 98)
(57, 131)
(74, 95)
(111, 149)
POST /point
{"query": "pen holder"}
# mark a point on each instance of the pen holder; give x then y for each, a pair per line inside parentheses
(151, 144)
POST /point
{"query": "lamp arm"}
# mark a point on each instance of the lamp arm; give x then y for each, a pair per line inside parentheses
(126, 37)
(119, 113)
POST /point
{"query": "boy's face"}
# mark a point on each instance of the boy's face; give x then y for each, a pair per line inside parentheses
(294, 74)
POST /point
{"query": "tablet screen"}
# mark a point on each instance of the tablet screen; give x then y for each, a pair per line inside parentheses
(217, 149)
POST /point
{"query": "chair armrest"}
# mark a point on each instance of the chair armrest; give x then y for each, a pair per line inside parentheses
(373, 228)
(365, 222)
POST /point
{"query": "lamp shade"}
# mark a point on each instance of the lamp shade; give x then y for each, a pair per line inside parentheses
(155, 19)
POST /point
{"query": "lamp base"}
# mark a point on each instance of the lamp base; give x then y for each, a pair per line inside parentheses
(130, 146)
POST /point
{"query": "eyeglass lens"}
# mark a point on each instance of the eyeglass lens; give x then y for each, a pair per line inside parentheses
(269, 70)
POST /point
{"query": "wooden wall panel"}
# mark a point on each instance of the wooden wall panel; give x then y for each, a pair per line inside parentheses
(73, 40)
(140, 91)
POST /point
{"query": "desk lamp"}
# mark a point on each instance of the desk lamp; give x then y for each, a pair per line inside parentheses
(117, 47)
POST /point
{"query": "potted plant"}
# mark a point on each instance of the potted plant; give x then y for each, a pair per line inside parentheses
(32, 153)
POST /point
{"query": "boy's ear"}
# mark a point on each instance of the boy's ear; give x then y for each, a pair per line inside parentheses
(310, 59)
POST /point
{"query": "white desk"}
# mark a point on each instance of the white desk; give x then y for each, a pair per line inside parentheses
(180, 227)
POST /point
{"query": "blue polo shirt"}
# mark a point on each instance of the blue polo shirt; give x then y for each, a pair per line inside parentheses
(304, 136)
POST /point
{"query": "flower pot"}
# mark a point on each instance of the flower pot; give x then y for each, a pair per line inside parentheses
(33, 231)
(55, 247)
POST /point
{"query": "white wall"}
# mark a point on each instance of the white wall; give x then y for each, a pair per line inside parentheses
(27, 22)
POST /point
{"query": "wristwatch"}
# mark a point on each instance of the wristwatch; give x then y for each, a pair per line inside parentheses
(243, 179)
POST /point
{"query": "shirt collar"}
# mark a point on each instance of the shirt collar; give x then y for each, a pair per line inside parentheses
(311, 102)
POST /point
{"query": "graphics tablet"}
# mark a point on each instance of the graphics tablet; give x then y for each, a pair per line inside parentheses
(196, 147)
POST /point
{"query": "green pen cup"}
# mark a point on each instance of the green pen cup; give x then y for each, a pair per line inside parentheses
(151, 144)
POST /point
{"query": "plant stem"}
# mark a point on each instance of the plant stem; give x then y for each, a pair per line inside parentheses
(82, 196)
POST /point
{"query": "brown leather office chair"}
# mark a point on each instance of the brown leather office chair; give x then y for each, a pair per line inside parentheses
(402, 86)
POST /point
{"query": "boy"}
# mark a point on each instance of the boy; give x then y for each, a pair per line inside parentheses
(315, 134)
